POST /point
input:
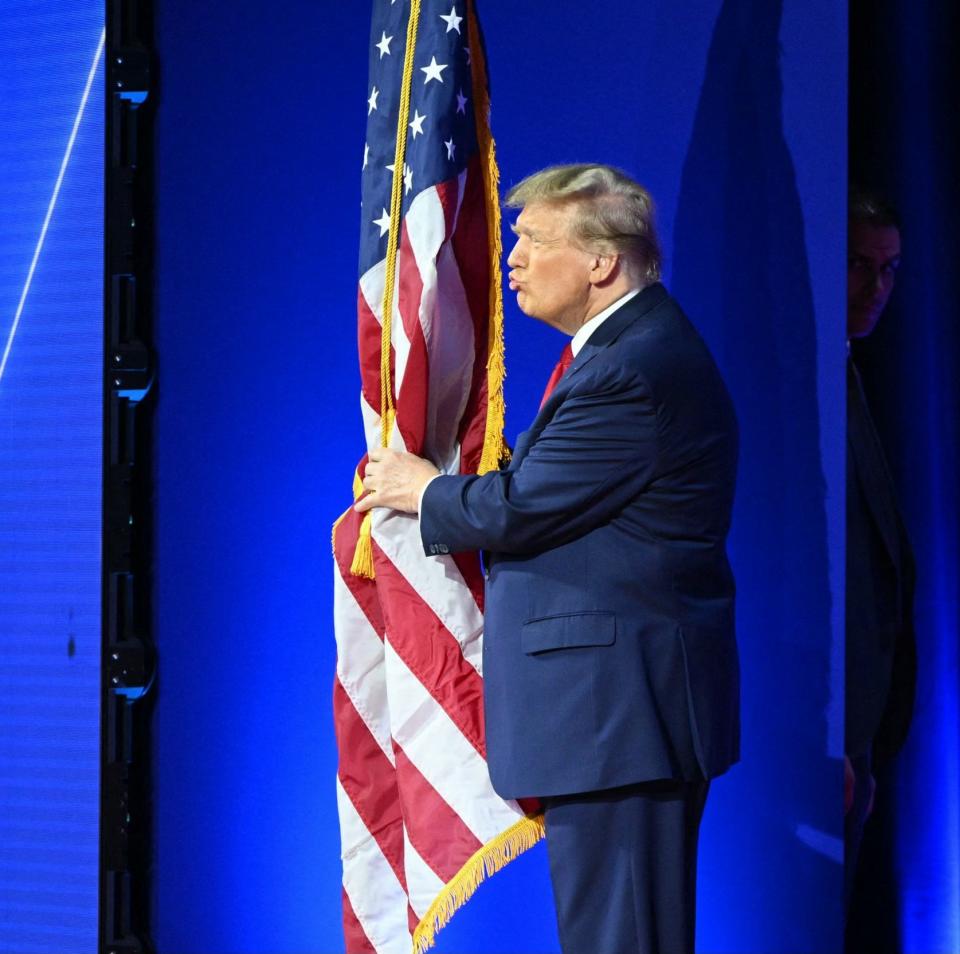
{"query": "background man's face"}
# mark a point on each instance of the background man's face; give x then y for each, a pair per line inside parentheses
(549, 274)
(873, 256)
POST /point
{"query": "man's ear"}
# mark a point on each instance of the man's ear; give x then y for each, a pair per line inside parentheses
(605, 266)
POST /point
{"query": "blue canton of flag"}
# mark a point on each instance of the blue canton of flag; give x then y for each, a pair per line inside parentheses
(441, 127)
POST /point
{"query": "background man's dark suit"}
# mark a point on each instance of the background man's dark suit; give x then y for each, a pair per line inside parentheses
(609, 653)
(881, 650)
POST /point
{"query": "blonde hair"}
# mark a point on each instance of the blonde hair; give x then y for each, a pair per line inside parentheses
(612, 213)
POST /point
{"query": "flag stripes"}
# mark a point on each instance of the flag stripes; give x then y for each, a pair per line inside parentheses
(421, 825)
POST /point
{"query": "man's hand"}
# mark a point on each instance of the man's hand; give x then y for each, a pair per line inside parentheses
(394, 479)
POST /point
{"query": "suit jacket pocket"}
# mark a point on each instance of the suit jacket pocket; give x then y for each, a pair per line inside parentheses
(568, 631)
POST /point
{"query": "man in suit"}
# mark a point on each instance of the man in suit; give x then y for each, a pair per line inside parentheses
(881, 652)
(611, 679)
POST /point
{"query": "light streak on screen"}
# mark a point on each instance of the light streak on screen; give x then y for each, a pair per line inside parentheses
(51, 341)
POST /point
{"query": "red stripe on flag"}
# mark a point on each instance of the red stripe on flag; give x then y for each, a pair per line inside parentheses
(530, 806)
(368, 344)
(354, 935)
(449, 194)
(369, 780)
(414, 388)
(470, 248)
(468, 564)
(430, 651)
(410, 285)
(364, 591)
(436, 831)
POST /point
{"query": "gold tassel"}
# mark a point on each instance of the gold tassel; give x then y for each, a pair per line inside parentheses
(493, 856)
(362, 564)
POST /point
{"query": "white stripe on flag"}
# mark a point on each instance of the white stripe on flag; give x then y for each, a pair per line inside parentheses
(371, 287)
(371, 423)
(422, 883)
(425, 229)
(461, 188)
(436, 579)
(377, 897)
(448, 327)
(442, 754)
(360, 664)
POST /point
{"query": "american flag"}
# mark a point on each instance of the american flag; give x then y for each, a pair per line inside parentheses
(420, 824)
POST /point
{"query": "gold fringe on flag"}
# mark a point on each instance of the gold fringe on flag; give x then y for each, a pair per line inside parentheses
(494, 855)
(494, 448)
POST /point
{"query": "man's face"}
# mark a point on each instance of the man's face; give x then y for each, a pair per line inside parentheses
(872, 262)
(550, 275)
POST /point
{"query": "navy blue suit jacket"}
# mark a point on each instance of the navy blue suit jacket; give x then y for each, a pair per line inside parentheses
(881, 661)
(609, 654)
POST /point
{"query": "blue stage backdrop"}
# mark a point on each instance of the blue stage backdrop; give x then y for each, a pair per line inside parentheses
(733, 113)
(51, 381)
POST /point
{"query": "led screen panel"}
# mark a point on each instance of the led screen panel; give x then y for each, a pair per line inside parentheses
(51, 332)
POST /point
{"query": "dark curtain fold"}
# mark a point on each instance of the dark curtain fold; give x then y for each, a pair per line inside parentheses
(903, 143)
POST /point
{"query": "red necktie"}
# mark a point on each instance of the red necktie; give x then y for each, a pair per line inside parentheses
(566, 359)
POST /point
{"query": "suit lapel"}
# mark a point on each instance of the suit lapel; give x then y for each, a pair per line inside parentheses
(615, 325)
(602, 338)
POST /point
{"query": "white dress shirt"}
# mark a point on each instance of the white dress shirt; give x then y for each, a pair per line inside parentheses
(589, 327)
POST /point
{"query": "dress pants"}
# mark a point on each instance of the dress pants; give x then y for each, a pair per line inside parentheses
(623, 863)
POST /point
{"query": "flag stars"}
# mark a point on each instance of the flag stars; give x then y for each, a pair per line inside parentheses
(451, 147)
(433, 70)
(461, 102)
(383, 222)
(417, 124)
(366, 155)
(384, 45)
(372, 101)
(452, 20)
